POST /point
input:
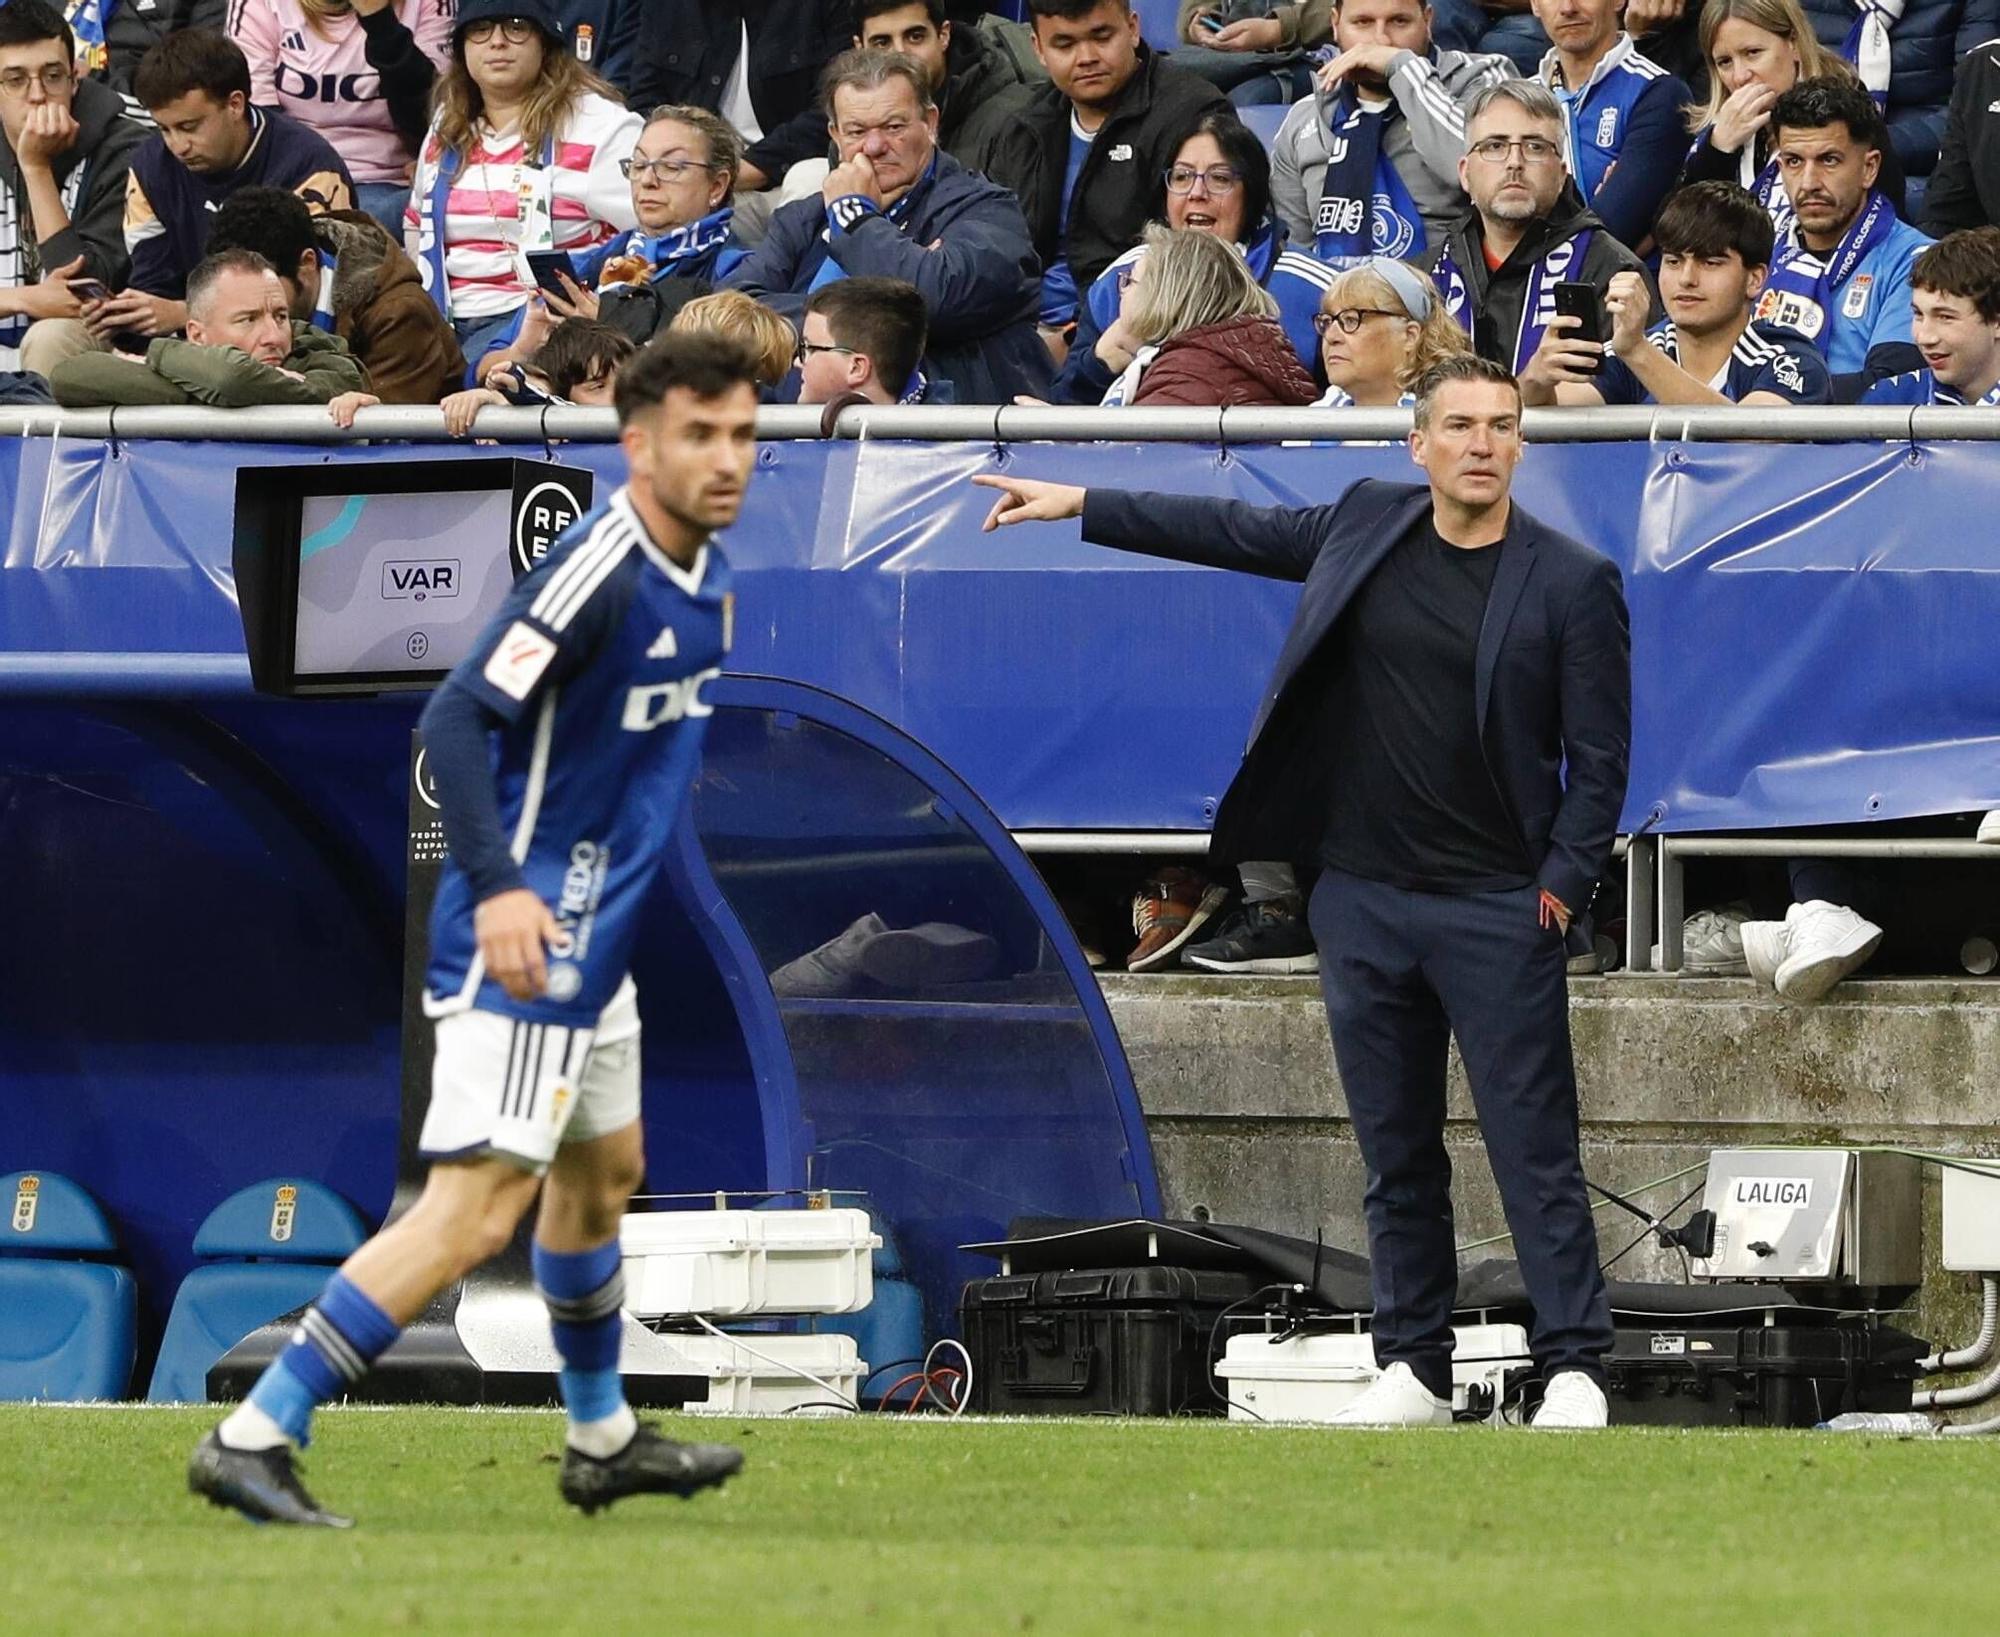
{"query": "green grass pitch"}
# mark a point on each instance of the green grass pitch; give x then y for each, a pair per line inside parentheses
(888, 1525)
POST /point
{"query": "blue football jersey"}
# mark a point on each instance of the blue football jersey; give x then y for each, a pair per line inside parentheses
(598, 663)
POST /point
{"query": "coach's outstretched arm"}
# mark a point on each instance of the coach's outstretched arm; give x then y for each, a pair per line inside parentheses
(1279, 542)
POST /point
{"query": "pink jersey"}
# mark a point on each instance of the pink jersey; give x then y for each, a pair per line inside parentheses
(499, 203)
(323, 79)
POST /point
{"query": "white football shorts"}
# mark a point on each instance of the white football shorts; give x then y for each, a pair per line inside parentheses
(519, 1091)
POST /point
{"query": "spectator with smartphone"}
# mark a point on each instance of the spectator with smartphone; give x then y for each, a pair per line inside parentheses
(359, 72)
(1368, 165)
(212, 142)
(1255, 51)
(344, 275)
(526, 153)
(66, 145)
(243, 349)
(1715, 253)
(1622, 134)
(1841, 272)
(1527, 231)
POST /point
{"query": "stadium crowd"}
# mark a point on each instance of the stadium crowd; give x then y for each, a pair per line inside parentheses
(352, 202)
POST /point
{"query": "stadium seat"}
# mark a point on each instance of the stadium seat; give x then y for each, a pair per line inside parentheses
(268, 1248)
(1263, 122)
(68, 1324)
(1156, 22)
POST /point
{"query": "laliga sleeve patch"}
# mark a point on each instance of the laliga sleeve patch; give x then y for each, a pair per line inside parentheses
(519, 659)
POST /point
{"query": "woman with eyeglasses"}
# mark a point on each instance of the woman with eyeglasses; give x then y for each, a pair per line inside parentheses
(1206, 332)
(1757, 50)
(1381, 326)
(683, 175)
(357, 71)
(525, 155)
(1219, 183)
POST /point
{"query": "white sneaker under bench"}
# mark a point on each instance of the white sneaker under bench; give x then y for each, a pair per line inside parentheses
(1572, 1402)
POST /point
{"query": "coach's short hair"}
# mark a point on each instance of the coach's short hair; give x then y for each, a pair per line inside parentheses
(865, 70)
(1531, 96)
(1964, 264)
(1835, 99)
(1712, 219)
(209, 270)
(1464, 366)
(883, 319)
(706, 364)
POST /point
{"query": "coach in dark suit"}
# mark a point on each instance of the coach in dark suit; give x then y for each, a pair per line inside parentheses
(1446, 737)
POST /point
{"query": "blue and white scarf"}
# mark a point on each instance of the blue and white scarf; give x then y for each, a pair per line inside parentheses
(431, 218)
(1538, 303)
(87, 20)
(1364, 208)
(850, 210)
(20, 261)
(1800, 291)
(322, 313)
(667, 252)
(1867, 44)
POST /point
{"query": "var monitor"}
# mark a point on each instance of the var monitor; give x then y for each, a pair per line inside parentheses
(365, 577)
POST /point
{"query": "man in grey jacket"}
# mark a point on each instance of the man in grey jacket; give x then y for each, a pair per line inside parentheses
(1368, 164)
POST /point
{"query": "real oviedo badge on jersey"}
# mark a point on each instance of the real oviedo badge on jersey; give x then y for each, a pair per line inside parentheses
(1855, 303)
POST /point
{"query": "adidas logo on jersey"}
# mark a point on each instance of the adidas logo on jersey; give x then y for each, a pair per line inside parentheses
(664, 645)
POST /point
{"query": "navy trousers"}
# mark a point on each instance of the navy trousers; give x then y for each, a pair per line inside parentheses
(1402, 972)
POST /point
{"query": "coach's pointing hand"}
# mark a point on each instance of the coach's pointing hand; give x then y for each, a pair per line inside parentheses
(1023, 500)
(513, 929)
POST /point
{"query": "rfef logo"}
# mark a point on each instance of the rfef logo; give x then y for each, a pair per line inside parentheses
(545, 511)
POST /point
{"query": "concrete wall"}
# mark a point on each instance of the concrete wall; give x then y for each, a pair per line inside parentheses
(1247, 1117)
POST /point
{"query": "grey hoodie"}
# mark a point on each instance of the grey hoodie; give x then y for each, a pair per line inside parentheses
(1424, 143)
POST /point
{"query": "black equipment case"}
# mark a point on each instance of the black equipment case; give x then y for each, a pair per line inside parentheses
(1100, 1341)
(1666, 1374)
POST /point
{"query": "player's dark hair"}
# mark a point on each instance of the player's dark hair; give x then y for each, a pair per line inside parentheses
(1067, 10)
(1712, 219)
(579, 348)
(883, 319)
(1241, 152)
(191, 59)
(28, 22)
(1464, 366)
(1812, 105)
(1964, 264)
(706, 364)
(212, 267)
(270, 221)
(865, 9)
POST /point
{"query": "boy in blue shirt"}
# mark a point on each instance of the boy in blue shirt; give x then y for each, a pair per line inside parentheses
(563, 750)
(1841, 276)
(1715, 250)
(1955, 318)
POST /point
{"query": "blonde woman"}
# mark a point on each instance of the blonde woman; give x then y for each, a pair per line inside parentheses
(1381, 326)
(1205, 332)
(357, 71)
(525, 154)
(1756, 51)
(771, 339)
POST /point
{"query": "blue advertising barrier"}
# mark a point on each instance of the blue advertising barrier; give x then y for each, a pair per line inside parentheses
(1812, 625)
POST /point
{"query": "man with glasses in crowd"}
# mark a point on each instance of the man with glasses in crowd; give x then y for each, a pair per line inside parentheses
(861, 342)
(65, 147)
(896, 207)
(1368, 165)
(1527, 231)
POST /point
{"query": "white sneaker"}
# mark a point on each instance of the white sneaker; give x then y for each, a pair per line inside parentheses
(1765, 946)
(1572, 1402)
(1828, 941)
(1989, 828)
(1396, 1398)
(1712, 943)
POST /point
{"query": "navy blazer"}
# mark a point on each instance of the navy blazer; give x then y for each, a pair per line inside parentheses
(1553, 677)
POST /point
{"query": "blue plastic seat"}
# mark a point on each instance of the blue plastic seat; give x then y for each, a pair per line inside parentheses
(68, 1325)
(270, 1246)
(1156, 22)
(1262, 122)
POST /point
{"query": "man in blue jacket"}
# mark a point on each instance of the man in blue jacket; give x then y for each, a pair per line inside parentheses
(1446, 735)
(898, 207)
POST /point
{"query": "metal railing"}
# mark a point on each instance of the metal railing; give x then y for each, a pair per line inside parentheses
(1009, 423)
